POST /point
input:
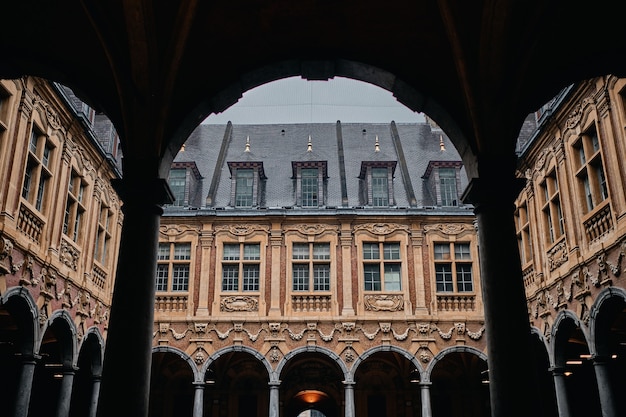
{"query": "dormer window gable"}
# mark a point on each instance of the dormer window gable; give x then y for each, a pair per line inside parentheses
(246, 183)
(377, 180)
(310, 178)
(444, 179)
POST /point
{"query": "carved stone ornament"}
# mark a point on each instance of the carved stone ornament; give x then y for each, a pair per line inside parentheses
(242, 229)
(312, 229)
(239, 303)
(381, 228)
(384, 302)
(447, 229)
(178, 229)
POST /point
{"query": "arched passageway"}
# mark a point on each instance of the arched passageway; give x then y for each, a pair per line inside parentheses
(311, 380)
(576, 371)
(460, 385)
(387, 385)
(171, 385)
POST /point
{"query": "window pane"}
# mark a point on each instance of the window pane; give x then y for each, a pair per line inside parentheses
(251, 277)
(371, 275)
(391, 251)
(447, 186)
(182, 251)
(164, 251)
(231, 252)
(300, 277)
(392, 277)
(300, 251)
(244, 187)
(230, 278)
(161, 278)
(462, 251)
(321, 251)
(371, 251)
(380, 191)
(321, 277)
(442, 251)
(177, 185)
(464, 277)
(309, 187)
(251, 252)
(180, 278)
(443, 277)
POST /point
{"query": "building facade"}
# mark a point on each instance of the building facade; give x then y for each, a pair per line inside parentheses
(340, 278)
(343, 278)
(60, 221)
(571, 229)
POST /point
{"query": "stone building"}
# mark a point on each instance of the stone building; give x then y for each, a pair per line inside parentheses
(60, 223)
(571, 232)
(340, 275)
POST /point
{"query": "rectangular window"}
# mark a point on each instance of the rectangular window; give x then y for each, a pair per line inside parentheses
(173, 266)
(551, 209)
(241, 267)
(523, 233)
(244, 187)
(178, 182)
(447, 186)
(381, 274)
(311, 266)
(380, 188)
(453, 265)
(74, 208)
(103, 234)
(310, 187)
(38, 172)
(590, 170)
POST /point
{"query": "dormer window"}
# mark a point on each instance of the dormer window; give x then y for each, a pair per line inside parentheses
(185, 182)
(310, 179)
(443, 180)
(246, 183)
(377, 179)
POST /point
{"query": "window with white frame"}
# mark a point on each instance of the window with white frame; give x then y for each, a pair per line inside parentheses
(377, 183)
(381, 266)
(173, 266)
(448, 186)
(453, 267)
(38, 172)
(311, 267)
(74, 207)
(241, 267)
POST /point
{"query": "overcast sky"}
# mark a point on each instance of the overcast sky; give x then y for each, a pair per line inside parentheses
(295, 100)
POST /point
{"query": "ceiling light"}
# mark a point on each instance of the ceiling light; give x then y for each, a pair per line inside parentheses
(311, 396)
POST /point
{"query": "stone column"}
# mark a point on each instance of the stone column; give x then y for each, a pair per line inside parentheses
(25, 384)
(417, 242)
(560, 391)
(95, 392)
(506, 313)
(206, 246)
(274, 399)
(425, 396)
(345, 239)
(349, 399)
(125, 386)
(198, 399)
(276, 243)
(605, 388)
(65, 393)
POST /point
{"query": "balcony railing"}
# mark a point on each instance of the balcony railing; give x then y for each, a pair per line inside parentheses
(171, 302)
(456, 302)
(310, 303)
(29, 223)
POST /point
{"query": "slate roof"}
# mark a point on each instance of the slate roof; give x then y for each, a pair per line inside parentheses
(343, 146)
